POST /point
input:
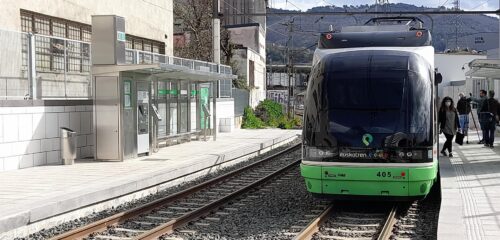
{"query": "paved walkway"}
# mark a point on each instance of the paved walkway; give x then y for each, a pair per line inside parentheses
(32, 194)
(470, 183)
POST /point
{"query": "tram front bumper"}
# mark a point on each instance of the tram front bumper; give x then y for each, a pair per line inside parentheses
(369, 181)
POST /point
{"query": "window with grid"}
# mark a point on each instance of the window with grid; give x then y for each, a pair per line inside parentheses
(52, 48)
(55, 51)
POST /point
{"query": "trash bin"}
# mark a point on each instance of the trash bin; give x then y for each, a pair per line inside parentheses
(68, 146)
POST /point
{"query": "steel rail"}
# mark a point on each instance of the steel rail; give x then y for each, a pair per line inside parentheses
(313, 226)
(195, 214)
(386, 231)
(103, 224)
(399, 13)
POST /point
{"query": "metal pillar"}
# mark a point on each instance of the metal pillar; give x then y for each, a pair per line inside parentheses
(216, 31)
(188, 106)
(33, 86)
(214, 115)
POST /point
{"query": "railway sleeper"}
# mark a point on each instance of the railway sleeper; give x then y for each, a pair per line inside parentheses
(188, 231)
(106, 237)
(118, 229)
(321, 236)
(354, 225)
(352, 231)
(166, 219)
(355, 219)
(222, 213)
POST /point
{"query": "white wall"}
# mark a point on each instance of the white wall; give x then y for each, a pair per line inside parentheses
(29, 136)
(225, 114)
(255, 41)
(151, 19)
(259, 92)
(450, 66)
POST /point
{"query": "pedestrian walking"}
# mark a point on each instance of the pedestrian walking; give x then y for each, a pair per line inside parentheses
(489, 118)
(448, 124)
(479, 101)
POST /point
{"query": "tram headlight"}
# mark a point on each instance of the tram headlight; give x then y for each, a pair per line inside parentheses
(318, 153)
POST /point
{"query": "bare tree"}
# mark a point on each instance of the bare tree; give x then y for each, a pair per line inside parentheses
(196, 17)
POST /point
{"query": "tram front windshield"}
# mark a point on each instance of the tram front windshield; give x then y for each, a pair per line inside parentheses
(378, 101)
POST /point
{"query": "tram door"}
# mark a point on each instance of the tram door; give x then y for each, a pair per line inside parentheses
(142, 117)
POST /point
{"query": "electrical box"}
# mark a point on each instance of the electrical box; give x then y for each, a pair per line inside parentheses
(108, 40)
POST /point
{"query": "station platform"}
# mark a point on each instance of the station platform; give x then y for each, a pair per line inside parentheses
(36, 194)
(470, 185)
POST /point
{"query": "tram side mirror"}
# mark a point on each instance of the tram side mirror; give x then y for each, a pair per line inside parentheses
(438, 78)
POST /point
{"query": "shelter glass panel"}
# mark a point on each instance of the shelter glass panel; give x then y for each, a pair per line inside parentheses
(183, 105)
(172, 101)
(162, 109)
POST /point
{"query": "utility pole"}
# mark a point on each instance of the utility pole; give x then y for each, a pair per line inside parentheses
(216, 54)
(216, 31)
(381, 3)
(456, 7)
(289, 66)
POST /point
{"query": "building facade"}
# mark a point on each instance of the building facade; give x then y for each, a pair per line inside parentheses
(453, 68)
(250, 58)
(47, 83)
(230, 7)
(150, 20)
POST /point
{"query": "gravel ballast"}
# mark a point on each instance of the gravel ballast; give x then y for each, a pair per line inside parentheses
(268, 212)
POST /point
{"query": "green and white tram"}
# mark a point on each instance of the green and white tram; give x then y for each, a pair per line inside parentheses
(370, 127)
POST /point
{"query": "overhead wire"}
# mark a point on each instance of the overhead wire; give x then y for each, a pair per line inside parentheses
(480, 5)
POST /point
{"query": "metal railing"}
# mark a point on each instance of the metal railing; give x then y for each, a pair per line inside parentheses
(134, 56)
(34, 66)
(62, 67)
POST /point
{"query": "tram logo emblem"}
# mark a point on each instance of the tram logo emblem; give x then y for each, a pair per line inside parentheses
(367, 139)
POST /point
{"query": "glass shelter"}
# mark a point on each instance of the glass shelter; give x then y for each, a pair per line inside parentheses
(139, 108)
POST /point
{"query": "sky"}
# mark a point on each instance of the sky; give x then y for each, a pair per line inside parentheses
(307, 4)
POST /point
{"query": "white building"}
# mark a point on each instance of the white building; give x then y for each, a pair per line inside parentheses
(250, 57)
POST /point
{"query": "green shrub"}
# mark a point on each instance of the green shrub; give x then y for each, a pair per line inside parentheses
(284, 123)
(250, 121)
(297, 122)
(268, 113)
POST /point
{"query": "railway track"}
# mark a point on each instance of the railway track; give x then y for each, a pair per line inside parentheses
(164, 215)
(345, 225)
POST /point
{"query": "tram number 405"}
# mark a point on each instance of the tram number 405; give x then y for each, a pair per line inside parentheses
(384, 174)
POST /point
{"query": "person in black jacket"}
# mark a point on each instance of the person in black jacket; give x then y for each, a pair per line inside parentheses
(448, 123)
(479, 101)
(463, 108)
(489, 117)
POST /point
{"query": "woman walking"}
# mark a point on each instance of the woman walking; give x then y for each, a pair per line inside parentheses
(448, 123)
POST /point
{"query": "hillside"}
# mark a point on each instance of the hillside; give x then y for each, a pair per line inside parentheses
(306, 28)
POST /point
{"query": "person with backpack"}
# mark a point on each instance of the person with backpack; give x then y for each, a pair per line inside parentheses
(480, 101)
(489, 118)
(463, 108)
